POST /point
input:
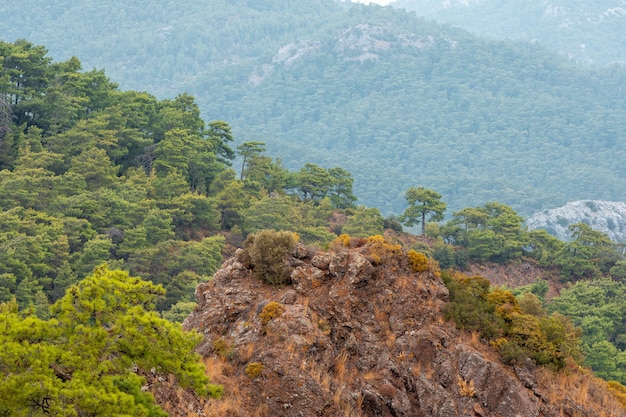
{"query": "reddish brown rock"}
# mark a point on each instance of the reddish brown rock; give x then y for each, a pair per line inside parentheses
(359, 339)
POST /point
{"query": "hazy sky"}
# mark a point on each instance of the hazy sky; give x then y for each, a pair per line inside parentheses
(382, 2)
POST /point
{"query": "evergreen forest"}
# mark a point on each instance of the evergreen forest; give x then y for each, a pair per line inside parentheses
(587, 32)
(119, 195)
(373, 89)
(114, 205)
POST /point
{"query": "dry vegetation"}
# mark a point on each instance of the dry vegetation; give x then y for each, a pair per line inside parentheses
(589, 391)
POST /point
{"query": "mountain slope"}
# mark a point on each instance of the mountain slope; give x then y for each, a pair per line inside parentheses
(396, 100)
(587, 31)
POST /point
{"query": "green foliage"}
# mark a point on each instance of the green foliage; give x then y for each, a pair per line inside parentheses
(618, 271)
(499, 317)
(492, 232)
(246, 151)
(265, 251)
(597, 307)
(314, 182)
(308, 220)
(529, 22)
(538, 288)
(588, 255)
(178, 266)
(449, 256)
(468, 306)
(476, 134)
(341, 195)
(422, 202)
(529, 303)
(178, 312)
(364, 222)
(99, 175)
(229, 202)
(543, 247)
(392, 222)
(85, 358)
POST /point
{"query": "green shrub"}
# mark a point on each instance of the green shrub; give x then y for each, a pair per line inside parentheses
(497, 315)
(511, 352)
(254, 369)
(265, 252)
(222, 348)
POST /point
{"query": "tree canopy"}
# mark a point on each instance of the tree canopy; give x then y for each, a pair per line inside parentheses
(87, 358)
(475, 118)
(422, 202)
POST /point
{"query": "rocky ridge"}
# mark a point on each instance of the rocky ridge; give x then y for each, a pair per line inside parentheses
(359, 333)
(605, 216)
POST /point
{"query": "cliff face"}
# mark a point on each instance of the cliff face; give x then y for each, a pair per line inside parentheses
(356, 335)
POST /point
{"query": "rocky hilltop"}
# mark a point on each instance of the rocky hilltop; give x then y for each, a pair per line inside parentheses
(358, 332)
(605, 216)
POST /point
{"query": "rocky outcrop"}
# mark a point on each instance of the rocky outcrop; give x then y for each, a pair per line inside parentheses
(356, 334)
(605, 216)
(362, 42)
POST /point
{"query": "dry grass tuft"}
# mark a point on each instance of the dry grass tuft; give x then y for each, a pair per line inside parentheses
(226, 406)
(218, 369)
(390, 339)
(404, 281)
(583, 387)
(466, 388)
(245, 352)
(403, 356)
(317, 374)
(337, 396)
(263, 410)
(371, 376)
(416, 370)
(340, 365)
(232, 402)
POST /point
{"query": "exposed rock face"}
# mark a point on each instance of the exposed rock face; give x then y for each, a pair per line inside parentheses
(357, 338)
(361, 42)
(605, 216)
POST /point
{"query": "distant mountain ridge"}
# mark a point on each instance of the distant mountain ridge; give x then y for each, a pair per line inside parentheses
(396, 100)
(587, 31)
(605, 216)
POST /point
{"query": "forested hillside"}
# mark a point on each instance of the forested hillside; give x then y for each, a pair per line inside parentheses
(92, 174)
(586, 31)
(89, 174)
(391, 98)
